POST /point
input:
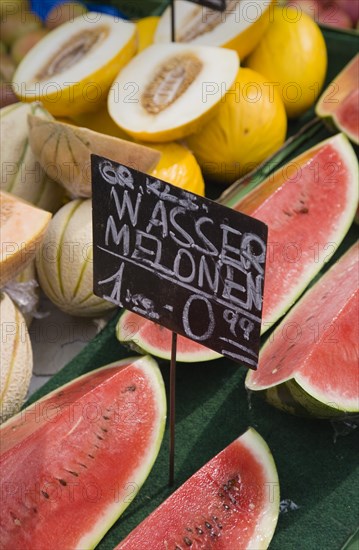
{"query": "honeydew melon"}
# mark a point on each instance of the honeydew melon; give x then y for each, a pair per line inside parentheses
(64, 261)
(169, 90)
(23, 227)
(72, 68)
(16, 358)
(239, 27)
(21, 174)
(64, 152)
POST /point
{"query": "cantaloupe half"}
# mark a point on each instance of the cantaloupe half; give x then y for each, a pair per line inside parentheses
(239, 27)
(23, 227)
(169, 90)
(64, 152)
(72, 68)
(340, 101)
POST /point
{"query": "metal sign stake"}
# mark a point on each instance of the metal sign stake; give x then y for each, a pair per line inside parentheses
(172, 408)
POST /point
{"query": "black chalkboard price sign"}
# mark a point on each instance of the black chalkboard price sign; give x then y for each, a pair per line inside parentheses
(178, 259)
(219, 5)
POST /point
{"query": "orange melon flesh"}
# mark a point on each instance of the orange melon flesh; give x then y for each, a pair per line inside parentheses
(340, 101)
(23, 227)
(308, 205)
(317, 342)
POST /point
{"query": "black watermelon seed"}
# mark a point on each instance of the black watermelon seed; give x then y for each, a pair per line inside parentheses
(34, 510)
(106, 417)
(83, 465)
(226, 507)
(178, 547)
(91, 456)
(62, 482)
(131, 388)
(187, 541)
(45, 494)
(208, 525)
(99, 437)
(72, 473)
(104, 429)
(199, 530)
(189, 530)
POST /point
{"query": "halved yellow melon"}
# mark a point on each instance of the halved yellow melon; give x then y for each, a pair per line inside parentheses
(72, 68)
(64, 150)
(239, 27)
(22, 229)
(169, 90)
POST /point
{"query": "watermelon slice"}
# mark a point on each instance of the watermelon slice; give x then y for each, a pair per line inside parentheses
(309, 365)
(144, 336)
(340, 101)
(73, 461)
(230, 503)
(308, 205)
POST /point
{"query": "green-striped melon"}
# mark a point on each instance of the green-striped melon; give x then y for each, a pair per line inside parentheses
(64, 261)
(21, 173)
(16, 358)
(309, 365)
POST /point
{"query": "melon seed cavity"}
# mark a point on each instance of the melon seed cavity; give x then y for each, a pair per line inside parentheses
(202, 20)
(72, 51)
(170, 81)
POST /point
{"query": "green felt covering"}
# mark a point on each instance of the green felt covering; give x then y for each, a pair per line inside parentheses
(317, 473)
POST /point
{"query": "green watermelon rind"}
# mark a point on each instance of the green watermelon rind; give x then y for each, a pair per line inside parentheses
(297, 396)
(140, 345)
(154, 377)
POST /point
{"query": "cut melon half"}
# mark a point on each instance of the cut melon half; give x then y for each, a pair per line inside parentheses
(231, 503)
(309, 365)
(72, 68)
(340, 101)
(23, 227)
(309, 205)
(64, 152)
(169, 90)
(239, 27)
(92, 444)
(144, 336)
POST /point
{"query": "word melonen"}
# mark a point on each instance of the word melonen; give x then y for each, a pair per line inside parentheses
(178, 241)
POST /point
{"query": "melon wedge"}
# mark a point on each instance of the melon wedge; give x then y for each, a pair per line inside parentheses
(88, 447)
(72, 68)
(239, 27)
(169, 90)
(144, 336)
(340, 101)
(308, 205)
(309, 365)
(23, 227)
(64, 152)
(232, 502)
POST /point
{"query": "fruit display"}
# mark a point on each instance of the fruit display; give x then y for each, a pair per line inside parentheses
(310, 365)
(16, 358)
(225, 501)
(67, 497)
(215, 113)
(340, 101)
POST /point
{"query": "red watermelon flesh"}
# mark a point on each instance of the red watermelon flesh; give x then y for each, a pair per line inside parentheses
(308, 205)
(230, 503)
(149, 337)
(66, 482)
(317, 344)
(340, 100)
